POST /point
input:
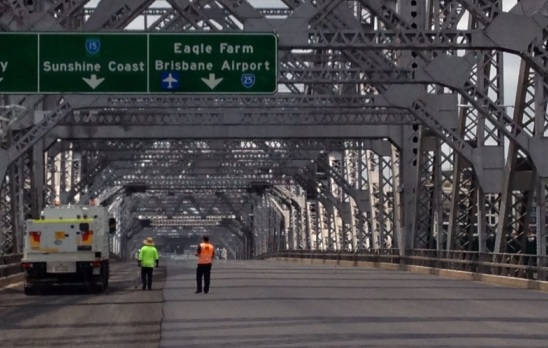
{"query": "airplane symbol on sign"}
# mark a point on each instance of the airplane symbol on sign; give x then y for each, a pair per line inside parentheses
(170, 80)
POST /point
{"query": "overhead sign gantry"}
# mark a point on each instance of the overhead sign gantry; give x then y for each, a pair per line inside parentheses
(103, 63)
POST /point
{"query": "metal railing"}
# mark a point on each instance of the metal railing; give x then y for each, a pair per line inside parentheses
(523, 266)
(10, 265)
(509, 265)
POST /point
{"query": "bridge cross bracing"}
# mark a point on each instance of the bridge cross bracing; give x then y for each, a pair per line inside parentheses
(392, 127)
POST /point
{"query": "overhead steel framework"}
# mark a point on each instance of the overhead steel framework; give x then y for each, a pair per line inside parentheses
(395, 125)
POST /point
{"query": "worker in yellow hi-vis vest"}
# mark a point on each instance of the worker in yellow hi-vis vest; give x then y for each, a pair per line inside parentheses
(148, 258)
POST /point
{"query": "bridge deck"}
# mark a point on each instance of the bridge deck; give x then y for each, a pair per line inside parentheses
(276, 304)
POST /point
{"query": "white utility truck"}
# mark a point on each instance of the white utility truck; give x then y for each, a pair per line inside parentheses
(68, 245)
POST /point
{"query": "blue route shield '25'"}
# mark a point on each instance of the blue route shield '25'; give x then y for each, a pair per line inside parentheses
(248, 80)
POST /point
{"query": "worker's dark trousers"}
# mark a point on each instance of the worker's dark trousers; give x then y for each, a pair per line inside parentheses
(205, 272)
(146, 277)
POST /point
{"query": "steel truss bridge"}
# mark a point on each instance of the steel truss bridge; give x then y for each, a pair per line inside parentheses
(392, 128)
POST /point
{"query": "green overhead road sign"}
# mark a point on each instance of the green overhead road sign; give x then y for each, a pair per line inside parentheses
(227, 63)
(18, 62)
(103, 63)
(93, 63)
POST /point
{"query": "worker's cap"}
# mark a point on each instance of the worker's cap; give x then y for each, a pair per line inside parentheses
(148, 241)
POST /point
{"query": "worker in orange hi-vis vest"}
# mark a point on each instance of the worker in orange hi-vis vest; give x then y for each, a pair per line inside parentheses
(205, 253)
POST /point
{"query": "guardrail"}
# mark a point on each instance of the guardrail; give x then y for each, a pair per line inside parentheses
(523, 266)
(10, 265)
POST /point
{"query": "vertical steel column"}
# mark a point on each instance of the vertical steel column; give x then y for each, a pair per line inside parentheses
(75, 173)
(414, 15)
(338, 223)
(375, 186)
(64, 175)
(312, 224)
(516, 206)
(398, 189)
(301, 222)
(365, 219)
(37, 177)
(428, 197)
(19, 209)
(322, 228)
(350, 174)
(291, 228)
(481, 222)
(542, 236)
(6, 216)
(52, 180)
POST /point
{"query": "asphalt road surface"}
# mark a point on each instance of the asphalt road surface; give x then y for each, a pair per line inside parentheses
(261, 304)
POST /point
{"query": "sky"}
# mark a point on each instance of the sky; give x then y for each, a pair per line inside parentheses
(511, 67)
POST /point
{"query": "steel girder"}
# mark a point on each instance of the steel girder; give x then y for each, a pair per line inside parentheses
(477, 8)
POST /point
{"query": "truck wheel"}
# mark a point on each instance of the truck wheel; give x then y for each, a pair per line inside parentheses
(99, 287)
(107, 274)
(102, 283)
(105, 281)
(29, 290)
